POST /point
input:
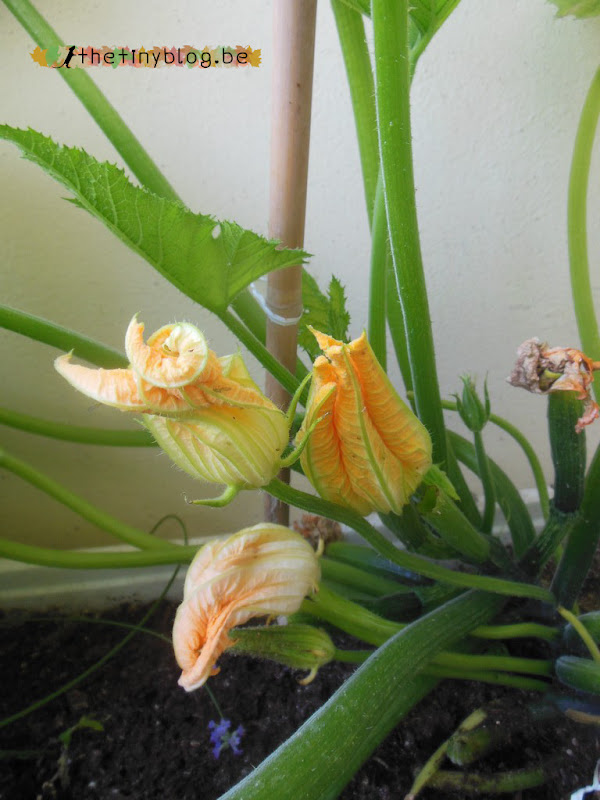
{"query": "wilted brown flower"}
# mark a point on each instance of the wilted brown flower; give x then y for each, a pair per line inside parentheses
(543, 370)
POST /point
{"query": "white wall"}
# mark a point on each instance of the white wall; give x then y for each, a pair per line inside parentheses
(495, 106)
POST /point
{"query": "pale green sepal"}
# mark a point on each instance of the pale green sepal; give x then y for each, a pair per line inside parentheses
(229, 493)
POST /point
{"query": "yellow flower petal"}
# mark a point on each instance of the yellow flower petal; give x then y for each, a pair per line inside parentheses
(370, 452)
(174, 356)
(264, 570)
(113, 387)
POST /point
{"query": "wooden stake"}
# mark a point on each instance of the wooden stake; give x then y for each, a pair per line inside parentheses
(293, 58)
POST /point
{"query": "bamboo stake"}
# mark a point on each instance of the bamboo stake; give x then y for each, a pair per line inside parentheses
(293, 58)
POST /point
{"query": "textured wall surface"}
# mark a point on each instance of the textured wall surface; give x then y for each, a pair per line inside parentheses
(496, 100)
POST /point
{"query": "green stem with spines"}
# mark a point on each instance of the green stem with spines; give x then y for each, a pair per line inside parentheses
(126, 533)
(410, 561)
(42, 330)
(76, 433)
(557, 527)
(375, 585)
(568, 450)
(392, 91)
(583, 298)
(582, 542)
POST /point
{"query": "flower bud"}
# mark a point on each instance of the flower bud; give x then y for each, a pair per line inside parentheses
(259, 571)
(369, 452)
(205, 412)
(473, 412)
(296, 645)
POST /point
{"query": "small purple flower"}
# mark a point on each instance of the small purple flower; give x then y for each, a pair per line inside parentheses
(222, 739)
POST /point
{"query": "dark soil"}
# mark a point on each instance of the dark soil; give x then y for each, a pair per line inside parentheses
(155, 738)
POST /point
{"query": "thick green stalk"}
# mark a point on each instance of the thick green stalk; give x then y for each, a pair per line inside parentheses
(126, 533)
(321, 757)
(485, 475)
(76, 433)
(72, 559)
(583, 298)
(349, 575)
(410, 561)
(518, 630)
(538, 554)
(392, 89)
(378, 275)
(456, 530)
(62, 338)
(582, 542)
(351, 31)
(568, 450)
(95, 103)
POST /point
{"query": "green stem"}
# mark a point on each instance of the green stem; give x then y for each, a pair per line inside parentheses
(557, 527)
(106, 522)
(519, 630)
(62, 338)
(465, 661)
(354, 576)
(510, 501)
(260, 352)
(530, 455)
(498, 783)
(583, 298)
(437, 671)
(415, 563)
(94, 101)
(71, 559)
(529, 452)
(111, 623)
(583, 632)
(75, 433)
(568, 450)
(378, 274)
(395, 320)
(582, 543)
(392, 80)
(489, 493)
(467, 502)
(488, 676)
(351, 32)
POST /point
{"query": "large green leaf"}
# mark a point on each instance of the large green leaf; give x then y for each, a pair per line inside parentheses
(208, 260)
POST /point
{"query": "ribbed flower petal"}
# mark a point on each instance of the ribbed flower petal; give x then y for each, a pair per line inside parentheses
(369, 452)
(174, 356)
(113, 387)
(235, 446)
(264, 570)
